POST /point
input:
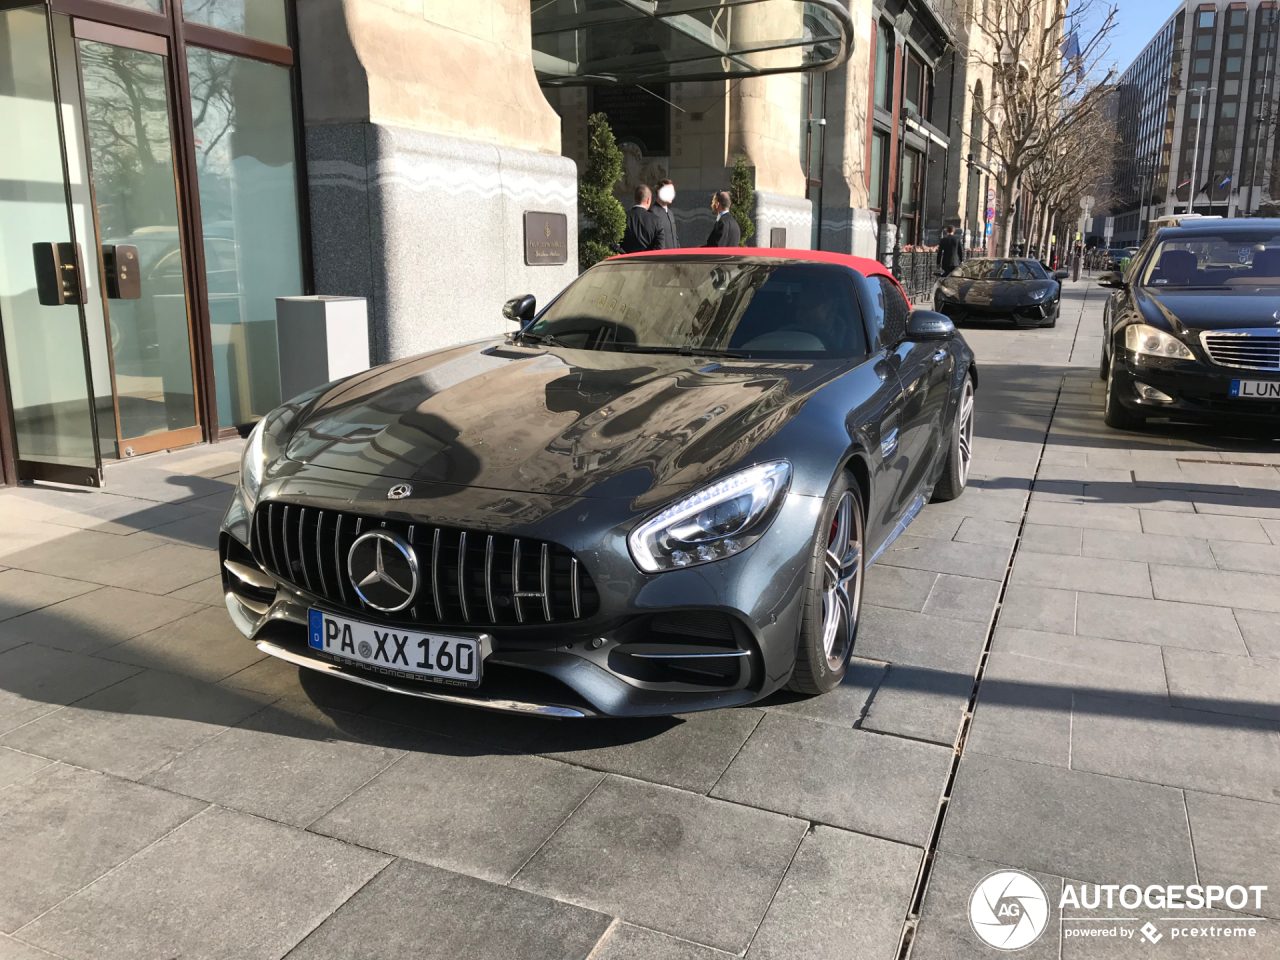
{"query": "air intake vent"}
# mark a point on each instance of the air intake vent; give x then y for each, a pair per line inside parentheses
(466, 577)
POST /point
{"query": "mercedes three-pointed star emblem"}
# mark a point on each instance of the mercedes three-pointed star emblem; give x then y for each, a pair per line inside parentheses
(379, 577)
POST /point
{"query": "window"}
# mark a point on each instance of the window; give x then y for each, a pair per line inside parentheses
(1234, 64)
(1235, 41)
(1194, 112)
(1229, 109)
(1238, 18)
(884, 55)
(245, 161)
(1204, 41)
(1231, 88)
(259, 19)
(913, 94)
(879, 147)
(910, 174)
(890, 313)
(1202, 65)
(1204, 20)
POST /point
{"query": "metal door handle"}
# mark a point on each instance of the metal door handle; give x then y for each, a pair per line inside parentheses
(940, 355)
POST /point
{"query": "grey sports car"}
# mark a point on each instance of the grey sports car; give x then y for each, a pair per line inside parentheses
(659, 494)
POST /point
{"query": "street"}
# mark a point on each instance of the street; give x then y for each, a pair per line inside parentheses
(1072, 670)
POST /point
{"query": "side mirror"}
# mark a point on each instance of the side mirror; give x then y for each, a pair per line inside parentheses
(929, 325)
(1061, 274)
(520, 309)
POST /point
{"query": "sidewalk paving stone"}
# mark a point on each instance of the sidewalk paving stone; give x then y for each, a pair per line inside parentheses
(64, 827)
(695, 867)
(690, 751)
(1095, 515)
(1147, 548)
(1252, 591)
(22, 591)
(414, 910)
(1203, 526)
(1223, 684)
(1039, 608)
(204, 645)
(845, 705)
(1212, 752)
(626, 941)
(462, 808)
(1046, 538)
(1237, 841)
(37, 680)
(948, 556)
(919, 639)
(882, 785)
(1261, 632)
(922, 704)
(15, 766)
(223, 885)
(93, 621)
(1121, 577)
(278, 678)
(842, 897)
(1161, 622)
(1034, 816)
(962, 598)
(164, 568)
(995, 533)
(134, 727)
(1246, 557)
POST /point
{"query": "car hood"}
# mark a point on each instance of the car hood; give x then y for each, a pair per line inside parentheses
(552, 421)
(1216, 309)
(997, 293)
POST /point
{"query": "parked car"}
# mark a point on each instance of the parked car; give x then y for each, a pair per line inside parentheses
(1020, 290)
(1193, 330)
(660, 494)
(1115, 258)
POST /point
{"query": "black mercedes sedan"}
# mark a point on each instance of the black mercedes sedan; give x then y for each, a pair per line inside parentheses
(1018, 290)
(1193, 332)
(659, 494)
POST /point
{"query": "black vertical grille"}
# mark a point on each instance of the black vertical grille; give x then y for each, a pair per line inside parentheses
(466, 577)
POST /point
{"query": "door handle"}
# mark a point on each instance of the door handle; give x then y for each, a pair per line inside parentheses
(940, 355)
(57, 273)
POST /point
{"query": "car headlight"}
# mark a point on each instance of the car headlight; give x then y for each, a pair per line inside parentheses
(716, 522)
(252, 462)
(1144, 339)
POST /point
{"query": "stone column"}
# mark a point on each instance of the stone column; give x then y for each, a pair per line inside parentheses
(427, 139)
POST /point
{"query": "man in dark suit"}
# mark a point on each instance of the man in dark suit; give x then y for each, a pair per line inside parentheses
(950, 251)
(644, 230)
(663, 195)
(726, 232)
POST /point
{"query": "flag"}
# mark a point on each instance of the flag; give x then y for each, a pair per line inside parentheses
(1071, 53)
(1184, 183)
(1225, 181)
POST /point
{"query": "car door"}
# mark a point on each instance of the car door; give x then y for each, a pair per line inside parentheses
(920, 367)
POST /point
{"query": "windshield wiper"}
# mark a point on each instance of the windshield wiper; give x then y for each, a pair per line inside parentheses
(684, 351)
(548, 338)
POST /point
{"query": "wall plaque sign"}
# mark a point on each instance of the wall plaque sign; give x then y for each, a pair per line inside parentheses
(546, 238)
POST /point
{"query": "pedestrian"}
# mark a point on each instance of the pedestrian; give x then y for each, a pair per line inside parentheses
(726, 232)
(644, 230)
(1075, 263)
(665, 193)
(950, 251)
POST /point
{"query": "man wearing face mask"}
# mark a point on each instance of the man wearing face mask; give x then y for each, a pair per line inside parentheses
(664, 194)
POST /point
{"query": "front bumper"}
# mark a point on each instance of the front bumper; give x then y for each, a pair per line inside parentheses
(1024, 316)
(645, 651)
(1200, 392)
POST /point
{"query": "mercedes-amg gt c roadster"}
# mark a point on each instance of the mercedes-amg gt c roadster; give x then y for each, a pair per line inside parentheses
(659, 494)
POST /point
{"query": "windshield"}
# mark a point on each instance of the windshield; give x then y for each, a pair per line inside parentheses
(1003, 270)
(1215, 261)
(753, 309)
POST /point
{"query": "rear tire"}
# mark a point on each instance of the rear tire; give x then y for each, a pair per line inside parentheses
(955, 472)
(1115, 415)
(833, 592)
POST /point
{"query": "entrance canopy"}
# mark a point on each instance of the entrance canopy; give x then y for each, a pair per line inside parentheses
(586, 42)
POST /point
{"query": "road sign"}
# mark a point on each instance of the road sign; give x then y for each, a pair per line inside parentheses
(991, 193)
(988, 228)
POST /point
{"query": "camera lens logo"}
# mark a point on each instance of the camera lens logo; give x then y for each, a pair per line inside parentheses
(1008, 910)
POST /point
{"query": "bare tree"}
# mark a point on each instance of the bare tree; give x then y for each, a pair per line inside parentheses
(1078, 163)
(1044, 60)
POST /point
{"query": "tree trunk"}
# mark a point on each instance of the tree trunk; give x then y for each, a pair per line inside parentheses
(1006, 212)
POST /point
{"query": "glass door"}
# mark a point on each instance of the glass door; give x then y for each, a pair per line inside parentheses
(128, 111)
(43, 342)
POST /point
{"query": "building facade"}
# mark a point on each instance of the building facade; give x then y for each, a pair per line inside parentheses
(171, 167)
(1196, 112)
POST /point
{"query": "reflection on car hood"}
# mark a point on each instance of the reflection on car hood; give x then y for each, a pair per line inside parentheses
(1217, 309)
(996, 293)
(568, 422)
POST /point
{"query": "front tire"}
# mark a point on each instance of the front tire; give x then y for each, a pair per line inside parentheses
(955, 472)
(1114, 413)
(833, 592)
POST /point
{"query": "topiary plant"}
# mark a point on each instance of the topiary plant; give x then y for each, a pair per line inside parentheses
(741, 193)
(603, 215)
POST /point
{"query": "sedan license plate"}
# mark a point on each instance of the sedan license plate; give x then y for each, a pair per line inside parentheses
(455, 661)
(1256, 389)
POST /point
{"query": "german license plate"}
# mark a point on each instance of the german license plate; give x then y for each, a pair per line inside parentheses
(455, 661)
(1256, 389)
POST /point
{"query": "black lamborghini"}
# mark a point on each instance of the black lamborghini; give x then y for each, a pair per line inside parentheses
(1018, 290)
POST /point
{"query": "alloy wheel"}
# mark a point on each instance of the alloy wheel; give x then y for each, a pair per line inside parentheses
(965, 436)
(842, 582)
